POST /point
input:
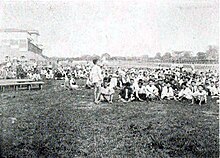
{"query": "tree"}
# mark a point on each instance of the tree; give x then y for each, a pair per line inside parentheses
(94, 56)
(201, 56)
(187, 55)
(158, 55)
(144, 57)
(212, 52)
(86, 57)
(167, 56)
(106, 56)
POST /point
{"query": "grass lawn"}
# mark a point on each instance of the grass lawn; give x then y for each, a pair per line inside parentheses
(58, 123)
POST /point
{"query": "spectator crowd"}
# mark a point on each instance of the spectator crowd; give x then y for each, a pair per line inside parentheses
(130, 84)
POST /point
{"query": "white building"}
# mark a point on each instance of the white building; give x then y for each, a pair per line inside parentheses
(16, 43)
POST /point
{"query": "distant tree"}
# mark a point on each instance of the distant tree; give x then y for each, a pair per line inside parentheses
(158, 55)
(187, 55)
(177, 55)
(86, 57)
(167, 56)
(120, 58)
(212, 52)
(144, 57)
(94, 56)
(201, 56)
(114, 58)
(106, 56)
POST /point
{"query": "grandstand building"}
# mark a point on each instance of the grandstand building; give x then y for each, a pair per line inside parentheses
(20, 44)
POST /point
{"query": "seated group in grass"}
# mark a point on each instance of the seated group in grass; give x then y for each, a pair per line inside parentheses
(153, 84)
(129, 84)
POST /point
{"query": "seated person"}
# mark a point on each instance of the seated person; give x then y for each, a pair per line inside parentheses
(113, 81)
(48, 75)
(152, 91)
(185, 93)
(133, 85)
(29, 74)
(73, 84)
(36, 75)
(126, 93)
(167, 92)
(88, 83)
(175, 86)
(200, 96)
(119, 82)
(159, 86)
(213, 90)
(140, 92)
(106, 92)
(193, 86)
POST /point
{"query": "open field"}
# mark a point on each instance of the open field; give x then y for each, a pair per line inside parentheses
(57, 123)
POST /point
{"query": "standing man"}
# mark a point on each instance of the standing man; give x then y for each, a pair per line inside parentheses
(96, 78)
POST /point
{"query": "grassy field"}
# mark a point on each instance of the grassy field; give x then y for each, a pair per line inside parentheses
(58, 123)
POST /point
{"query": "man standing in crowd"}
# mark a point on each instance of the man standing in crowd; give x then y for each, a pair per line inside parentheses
(96, 78)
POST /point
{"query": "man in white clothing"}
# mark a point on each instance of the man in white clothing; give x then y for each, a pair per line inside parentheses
(96, 78)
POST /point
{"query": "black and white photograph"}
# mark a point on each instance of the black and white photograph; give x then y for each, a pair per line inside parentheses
(109, 79)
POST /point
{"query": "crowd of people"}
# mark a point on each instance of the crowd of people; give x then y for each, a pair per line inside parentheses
(17, 69)
(130, 84)
(139, 84)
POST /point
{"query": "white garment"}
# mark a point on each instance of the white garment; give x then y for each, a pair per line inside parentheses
(187, 93)
(72, 81)
(213, 90)
(141, 90)
(167, 92)
(113, 82)
(107, 91)
(134, 87)
(96, 74)
(194, 89)
(200, 95)
(152, 90)
(36, 77)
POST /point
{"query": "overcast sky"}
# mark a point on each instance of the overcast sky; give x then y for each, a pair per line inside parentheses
(120, 28)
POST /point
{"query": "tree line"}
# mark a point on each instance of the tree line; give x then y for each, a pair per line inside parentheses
(211, 55)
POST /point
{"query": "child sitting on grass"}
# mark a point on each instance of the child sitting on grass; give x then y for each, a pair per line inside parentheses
(73, 84)
(70, 83)
(200, 96)
(213, 90)
(185, 93)
(126, 93)
(152, 91)
(167, 92)
(193, 86)
(140, 93)
(88, 83)
(106, 92)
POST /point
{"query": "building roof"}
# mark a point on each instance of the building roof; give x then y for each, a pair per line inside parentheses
(20, 30)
